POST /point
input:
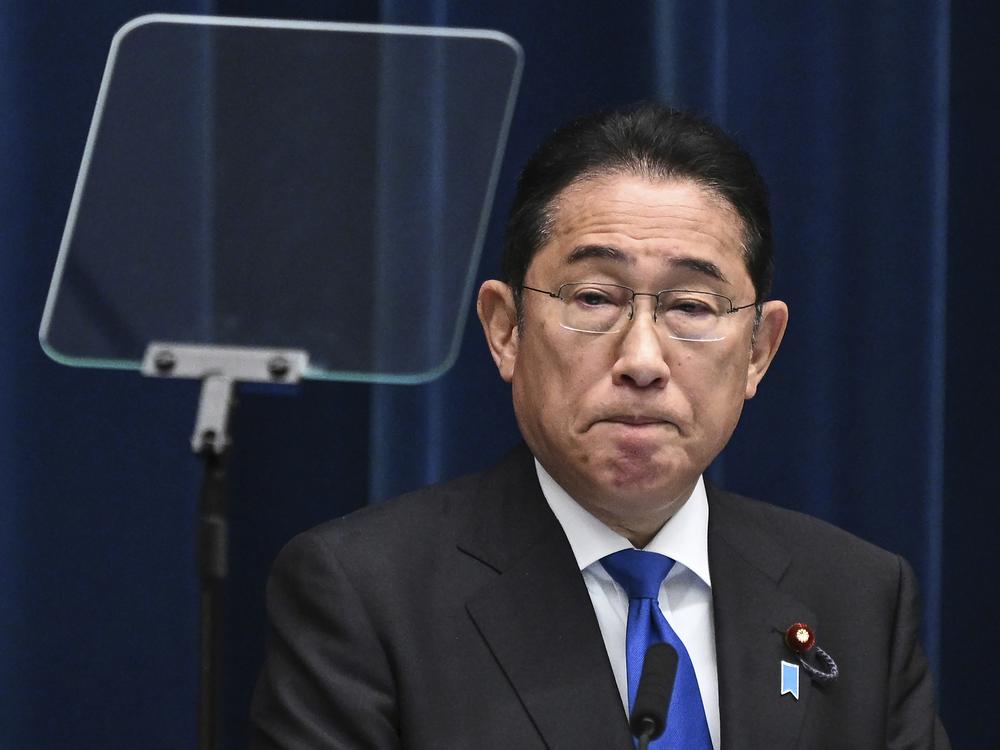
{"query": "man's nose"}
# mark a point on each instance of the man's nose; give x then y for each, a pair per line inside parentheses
(640, 360)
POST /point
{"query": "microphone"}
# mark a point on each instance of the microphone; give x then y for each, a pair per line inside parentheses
(652, 696)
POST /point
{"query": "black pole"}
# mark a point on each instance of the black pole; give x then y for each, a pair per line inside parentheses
(219, 368)
(212, 554)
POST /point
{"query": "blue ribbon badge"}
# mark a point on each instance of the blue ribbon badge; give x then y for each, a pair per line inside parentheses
(790, 679)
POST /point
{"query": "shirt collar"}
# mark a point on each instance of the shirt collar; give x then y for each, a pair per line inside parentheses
(684, 537)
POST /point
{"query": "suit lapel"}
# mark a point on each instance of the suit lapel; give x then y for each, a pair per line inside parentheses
(537, 617)
(752, 613)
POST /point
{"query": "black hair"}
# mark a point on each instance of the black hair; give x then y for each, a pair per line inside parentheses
(648, 140)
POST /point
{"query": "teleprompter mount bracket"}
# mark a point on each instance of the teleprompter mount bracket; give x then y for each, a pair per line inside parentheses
(219, 368)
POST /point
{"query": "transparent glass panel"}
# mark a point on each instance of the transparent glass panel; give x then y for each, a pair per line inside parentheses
(313, 186)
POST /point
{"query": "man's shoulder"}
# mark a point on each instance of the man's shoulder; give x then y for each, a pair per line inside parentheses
(434, 515)
(806, 540)
(844, 582)
(434, 509)
(455, 532)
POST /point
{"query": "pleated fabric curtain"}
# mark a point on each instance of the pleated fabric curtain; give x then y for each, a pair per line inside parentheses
(855, 117)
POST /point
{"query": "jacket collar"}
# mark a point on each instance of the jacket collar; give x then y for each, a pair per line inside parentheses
(537, 617)
(752, 613)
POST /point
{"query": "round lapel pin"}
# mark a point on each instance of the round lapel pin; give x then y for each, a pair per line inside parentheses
(801, 639)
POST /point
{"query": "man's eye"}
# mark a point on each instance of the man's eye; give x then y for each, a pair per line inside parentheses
(690, 307)
(592, 298)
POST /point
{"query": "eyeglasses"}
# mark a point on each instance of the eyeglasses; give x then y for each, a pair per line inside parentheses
(605, 308)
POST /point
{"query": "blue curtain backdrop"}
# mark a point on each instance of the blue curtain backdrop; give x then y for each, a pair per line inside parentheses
(874, 123)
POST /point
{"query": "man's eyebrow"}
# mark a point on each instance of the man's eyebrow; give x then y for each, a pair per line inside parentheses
(584, 252)
(706, 267)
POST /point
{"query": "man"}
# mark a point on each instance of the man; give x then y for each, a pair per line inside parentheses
(501, 610)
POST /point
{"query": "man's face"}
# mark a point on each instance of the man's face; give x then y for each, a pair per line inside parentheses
(627, 421)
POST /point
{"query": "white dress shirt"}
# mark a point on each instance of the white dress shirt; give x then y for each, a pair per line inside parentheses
(685, 595)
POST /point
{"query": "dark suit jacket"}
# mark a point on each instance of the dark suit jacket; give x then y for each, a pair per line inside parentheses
(456, 617)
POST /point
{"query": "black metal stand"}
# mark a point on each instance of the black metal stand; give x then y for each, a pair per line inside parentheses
(219, 368)
(212, 551)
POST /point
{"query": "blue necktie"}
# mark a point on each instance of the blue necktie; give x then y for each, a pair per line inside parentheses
(640, 574)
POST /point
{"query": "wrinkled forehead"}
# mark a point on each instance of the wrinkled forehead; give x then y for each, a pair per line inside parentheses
(663, 197)
(624, 220)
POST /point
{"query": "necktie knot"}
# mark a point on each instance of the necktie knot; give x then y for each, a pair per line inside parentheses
(639, 573)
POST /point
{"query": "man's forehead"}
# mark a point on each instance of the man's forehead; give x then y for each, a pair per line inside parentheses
(589, 183)
(642, 204)
(624, 218)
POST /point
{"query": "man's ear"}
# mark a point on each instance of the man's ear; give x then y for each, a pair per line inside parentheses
(495, 306)
(773, 321)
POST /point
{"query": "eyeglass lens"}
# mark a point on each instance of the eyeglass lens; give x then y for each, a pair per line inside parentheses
(605, 308)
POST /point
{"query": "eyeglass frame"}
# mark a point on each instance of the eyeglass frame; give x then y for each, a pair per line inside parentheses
(631, 301)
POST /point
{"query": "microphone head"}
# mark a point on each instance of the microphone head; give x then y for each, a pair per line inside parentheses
(656, 686)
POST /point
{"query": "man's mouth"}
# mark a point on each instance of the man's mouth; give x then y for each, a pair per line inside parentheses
(636, 420)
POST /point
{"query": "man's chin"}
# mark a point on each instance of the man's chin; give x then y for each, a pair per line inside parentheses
(639, 477)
